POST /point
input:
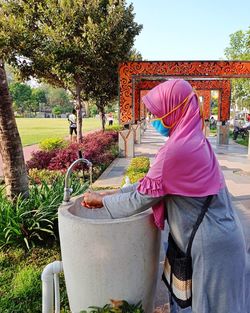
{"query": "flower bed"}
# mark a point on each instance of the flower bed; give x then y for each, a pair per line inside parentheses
(100, 148)
(137, 169)
(32, 221)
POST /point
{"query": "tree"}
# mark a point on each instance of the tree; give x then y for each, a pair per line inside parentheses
(65, 42)
(10, 144)
(101, 79)
(58, 97)
(57, 110)
(21, 96)
(38, 99)
(239, 49)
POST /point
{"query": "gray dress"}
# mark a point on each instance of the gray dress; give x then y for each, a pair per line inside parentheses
(218, 251)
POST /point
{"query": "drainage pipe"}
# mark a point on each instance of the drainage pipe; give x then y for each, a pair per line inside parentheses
(50, 287)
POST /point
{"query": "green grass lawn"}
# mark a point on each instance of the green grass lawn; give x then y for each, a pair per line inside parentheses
(20, 279)
(34, 130)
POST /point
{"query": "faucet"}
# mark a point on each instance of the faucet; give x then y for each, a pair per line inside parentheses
(67, 189)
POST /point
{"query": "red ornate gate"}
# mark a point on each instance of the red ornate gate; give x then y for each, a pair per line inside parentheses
(185, 69)
(224, 87)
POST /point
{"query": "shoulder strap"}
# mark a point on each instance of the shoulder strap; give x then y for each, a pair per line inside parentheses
(198, 222)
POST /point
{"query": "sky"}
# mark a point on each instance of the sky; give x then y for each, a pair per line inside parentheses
(188, 29)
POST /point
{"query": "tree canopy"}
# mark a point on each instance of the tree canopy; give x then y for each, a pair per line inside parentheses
(67, 43)
(239, 49)
(21, 96)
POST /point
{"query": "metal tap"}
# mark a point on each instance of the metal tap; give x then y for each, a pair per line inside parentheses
(67, 189)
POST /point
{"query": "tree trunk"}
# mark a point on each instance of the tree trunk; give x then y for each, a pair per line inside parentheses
(102, 111)
(79, 114)
(86, 105)
(14, 168)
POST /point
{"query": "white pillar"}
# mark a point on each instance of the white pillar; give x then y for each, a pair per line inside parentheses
(222, 133)
(137, 132)
(206, 129)
(126, 143)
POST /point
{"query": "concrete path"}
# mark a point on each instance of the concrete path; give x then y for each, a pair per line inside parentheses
(235, 165)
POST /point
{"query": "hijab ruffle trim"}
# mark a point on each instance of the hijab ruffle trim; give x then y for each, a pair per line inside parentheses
(151, 186)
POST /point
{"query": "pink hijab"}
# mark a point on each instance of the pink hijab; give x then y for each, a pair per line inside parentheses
(186, 165)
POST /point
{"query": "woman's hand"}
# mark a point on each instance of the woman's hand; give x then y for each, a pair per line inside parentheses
(92, 200)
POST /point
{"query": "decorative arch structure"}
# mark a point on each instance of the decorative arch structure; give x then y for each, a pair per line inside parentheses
(206, 95)
(203, 87)
(129, 71)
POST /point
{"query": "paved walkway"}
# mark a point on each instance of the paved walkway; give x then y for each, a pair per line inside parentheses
(235, 165)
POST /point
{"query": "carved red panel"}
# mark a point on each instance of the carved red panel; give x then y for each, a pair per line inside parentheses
(143, 109)
(212, 69)
(206, 94)
(224, 86)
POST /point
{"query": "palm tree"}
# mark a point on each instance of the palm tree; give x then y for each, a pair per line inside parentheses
(14, 169)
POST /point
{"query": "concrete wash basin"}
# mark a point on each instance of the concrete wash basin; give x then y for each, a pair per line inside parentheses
(106, 258)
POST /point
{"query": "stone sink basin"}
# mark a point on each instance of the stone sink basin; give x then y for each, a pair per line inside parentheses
(106, 258)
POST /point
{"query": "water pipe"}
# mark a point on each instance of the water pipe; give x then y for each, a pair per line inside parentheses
(67, 189)
(50, 287)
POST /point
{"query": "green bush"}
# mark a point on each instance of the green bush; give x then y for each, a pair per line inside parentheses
(37, 176)
(52, 144)
(137, 169)
(139, 164)
(134, 177)
(116, 128)
(28, 222)
(114, 149)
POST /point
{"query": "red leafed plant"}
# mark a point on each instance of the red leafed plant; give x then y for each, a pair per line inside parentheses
(41, 159)
(96, 147)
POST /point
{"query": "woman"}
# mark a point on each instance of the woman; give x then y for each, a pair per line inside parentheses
(184, 173)
(72, 124)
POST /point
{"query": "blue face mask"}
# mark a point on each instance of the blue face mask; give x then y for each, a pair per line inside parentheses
(157, 124)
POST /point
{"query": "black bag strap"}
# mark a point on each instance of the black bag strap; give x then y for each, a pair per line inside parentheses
(198, 222)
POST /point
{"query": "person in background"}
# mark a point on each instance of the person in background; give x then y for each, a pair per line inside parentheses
(72, 125)
(110, 119)
(212, 123)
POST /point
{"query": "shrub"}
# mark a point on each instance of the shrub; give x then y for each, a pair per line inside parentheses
(100, 148)
(28, 222)
(102, 138)
(115, 128)
(139, 164)
(52, 144)
(64, 157)
(37, 176)
(114, 149)
(41, 159)
(137, 169)
(134, 177)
